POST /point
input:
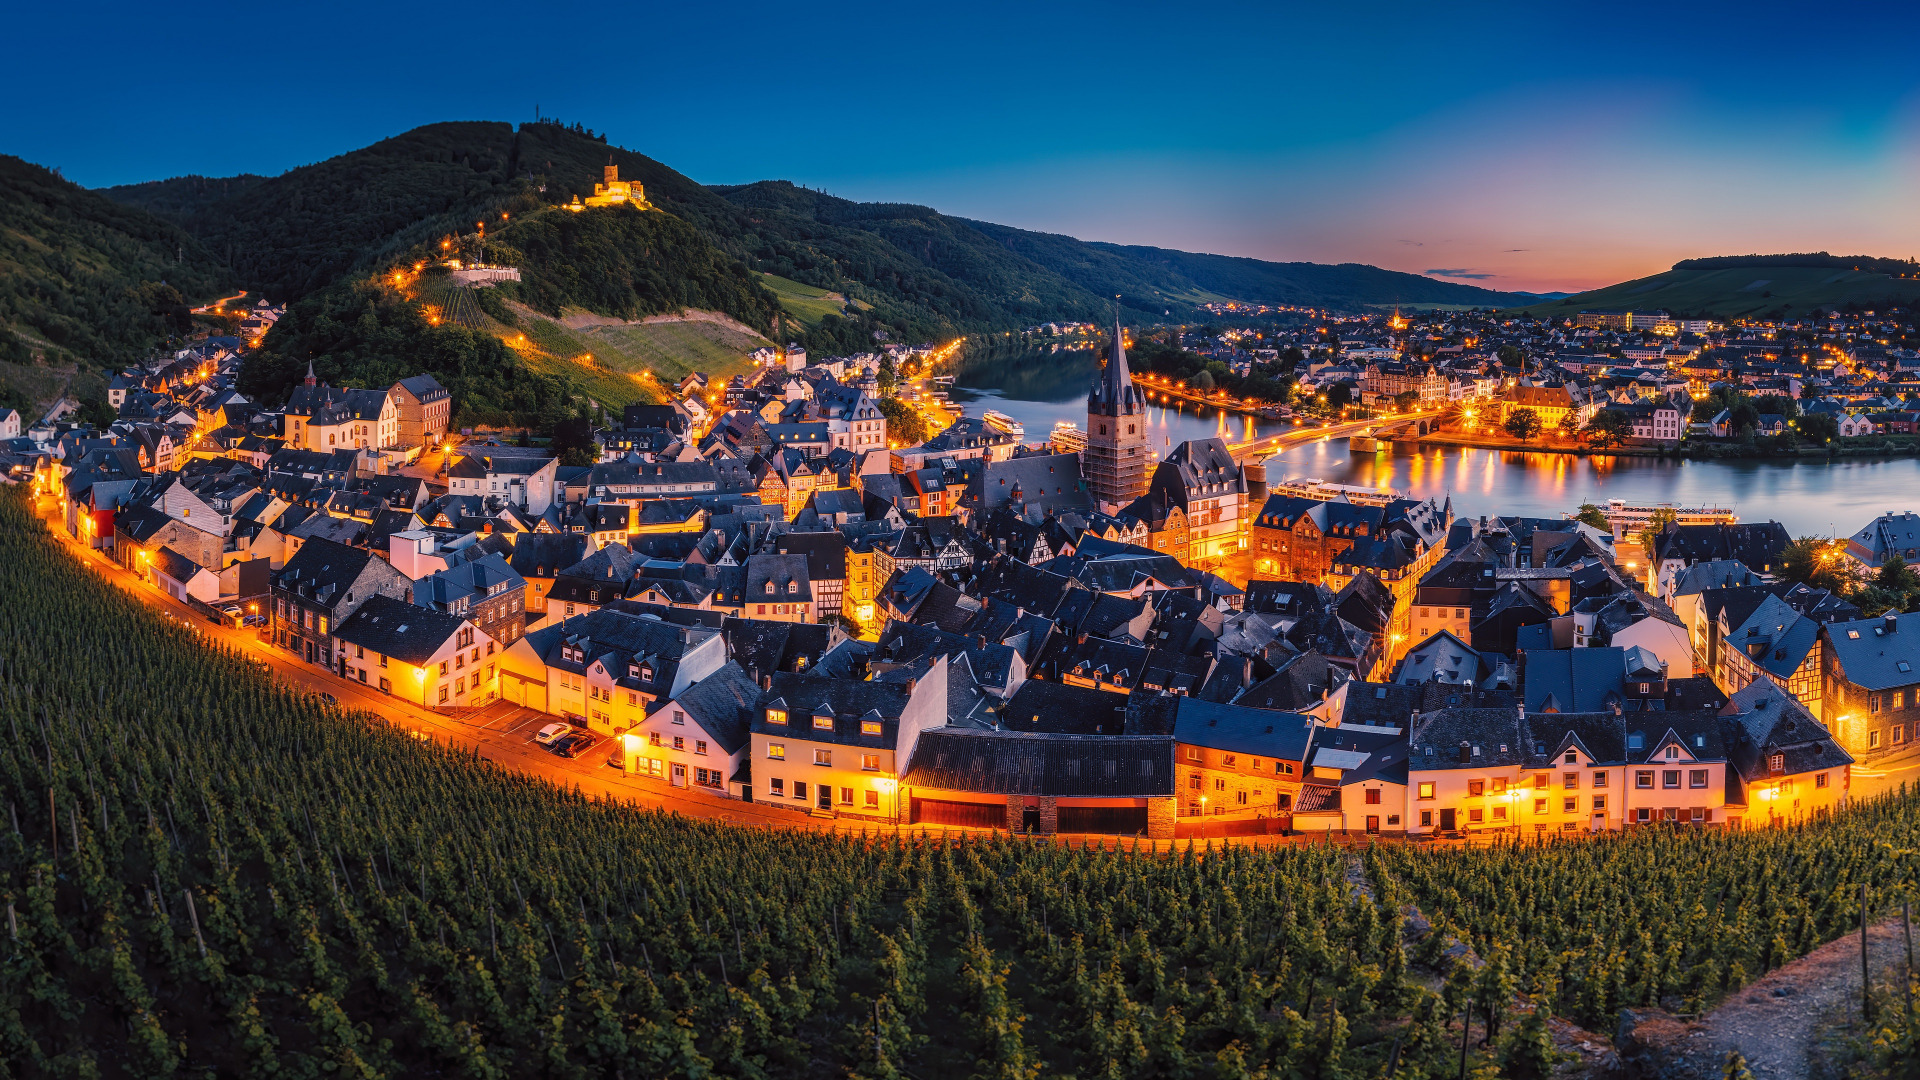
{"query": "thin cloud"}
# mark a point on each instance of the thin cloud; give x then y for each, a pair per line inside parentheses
(1518, 249)
(1413, 243)
(1459, 273)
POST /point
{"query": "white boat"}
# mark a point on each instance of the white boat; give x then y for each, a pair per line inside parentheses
(1312, 487)
(1068, 438)
(1626, 518)
(1002, 422)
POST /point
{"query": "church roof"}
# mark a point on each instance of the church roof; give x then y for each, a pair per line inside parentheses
(1113, 392)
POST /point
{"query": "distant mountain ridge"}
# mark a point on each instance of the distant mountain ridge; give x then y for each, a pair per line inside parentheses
(924, 273)
(1752, 286)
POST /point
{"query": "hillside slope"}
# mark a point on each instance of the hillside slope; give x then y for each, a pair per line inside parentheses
(81, 274)
(1748, 286)
(289, 235)
(916, 273)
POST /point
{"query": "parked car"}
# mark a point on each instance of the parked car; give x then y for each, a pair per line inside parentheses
(574, 745)
(550, 734)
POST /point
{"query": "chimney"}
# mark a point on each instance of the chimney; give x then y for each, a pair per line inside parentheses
(1890, 621)
(911, 683)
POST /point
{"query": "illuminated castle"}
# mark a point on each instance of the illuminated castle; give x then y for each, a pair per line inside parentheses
(612, 191)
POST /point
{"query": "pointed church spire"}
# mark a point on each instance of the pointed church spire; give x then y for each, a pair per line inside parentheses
(1113, 391)
(310, 379)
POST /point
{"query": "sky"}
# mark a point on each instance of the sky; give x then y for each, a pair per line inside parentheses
(1540, 147)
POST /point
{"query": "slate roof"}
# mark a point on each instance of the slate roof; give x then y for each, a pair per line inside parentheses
(1023, 763)
(724, 705)
(175, 565)
(1038, 485)
(990, 662)
(1776, 637)
(1301, 683)
(1757, 544)
(1361, 754)
(848, 702)
(1056, 708)
(547, 554)
(1878, 653)
(1575, 680)
(1236, 729)
(1761, 720)
(395, 628)
(763, 646)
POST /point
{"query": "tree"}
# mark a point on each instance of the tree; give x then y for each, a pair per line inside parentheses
(1609, 427)
(887, 378)
(1406, 400)
(1819, 428)
(905, 425)
(1569, 424)
(1592, 515)
(1817, 561)
(1203, 382)
(1522, 423)
(1339, 395)
(1897, 576)
(1657, 523)
(573, 441)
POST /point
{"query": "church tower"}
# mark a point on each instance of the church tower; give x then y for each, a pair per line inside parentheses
(1116, 456)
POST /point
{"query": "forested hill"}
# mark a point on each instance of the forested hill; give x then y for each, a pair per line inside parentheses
(1755, 286)
(289, 235)
(918, 274)
(86, 278)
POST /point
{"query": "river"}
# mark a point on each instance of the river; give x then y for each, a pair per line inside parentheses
(1811, 498)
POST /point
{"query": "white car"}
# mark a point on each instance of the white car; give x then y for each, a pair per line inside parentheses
(551, 734)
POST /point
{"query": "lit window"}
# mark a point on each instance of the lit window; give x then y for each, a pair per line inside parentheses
(823, 757)
(1426, 791)
(777, 751)
(776, 716)
(869, 727)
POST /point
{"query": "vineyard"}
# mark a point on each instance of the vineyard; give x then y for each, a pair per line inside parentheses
(207, 874)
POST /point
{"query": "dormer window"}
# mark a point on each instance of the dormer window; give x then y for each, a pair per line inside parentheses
(822, 722)
(1636, 741)
(870, 727)
(1776, 763)
(769, 588)
(777, 716)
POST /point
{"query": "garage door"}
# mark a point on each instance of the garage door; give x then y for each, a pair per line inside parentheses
(520, 690)
(971, 815)
(1126, 820)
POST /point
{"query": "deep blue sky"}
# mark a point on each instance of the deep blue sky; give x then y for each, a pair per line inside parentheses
(1540, 146)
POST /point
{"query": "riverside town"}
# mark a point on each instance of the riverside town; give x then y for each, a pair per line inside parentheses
(759, 593)
(1287, 543)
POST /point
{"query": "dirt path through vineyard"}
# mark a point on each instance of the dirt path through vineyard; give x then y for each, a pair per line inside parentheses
(1773, 1022)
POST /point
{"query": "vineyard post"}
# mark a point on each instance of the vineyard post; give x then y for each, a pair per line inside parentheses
(1906, 922)
(1466, 1022)
(1866, 999)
